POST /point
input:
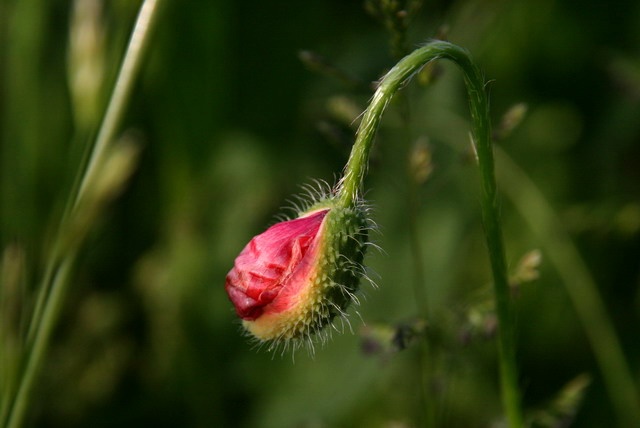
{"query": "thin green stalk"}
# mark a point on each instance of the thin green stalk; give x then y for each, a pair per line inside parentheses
(356, 169)
(422, 306)
(129, 69)
(37, 352)
(127, 74)
(65, 249)
(425, 358)
(580, 286)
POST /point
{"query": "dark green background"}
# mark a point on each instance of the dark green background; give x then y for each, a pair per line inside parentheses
(228, 118)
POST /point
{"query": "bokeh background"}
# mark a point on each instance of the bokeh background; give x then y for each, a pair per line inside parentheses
(231, 118)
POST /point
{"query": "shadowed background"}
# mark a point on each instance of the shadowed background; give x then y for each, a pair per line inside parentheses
(230, 122)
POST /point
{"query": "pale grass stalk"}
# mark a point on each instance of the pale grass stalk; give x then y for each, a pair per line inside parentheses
(106, 171)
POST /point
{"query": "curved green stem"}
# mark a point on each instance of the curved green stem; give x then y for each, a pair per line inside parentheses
(355, 171)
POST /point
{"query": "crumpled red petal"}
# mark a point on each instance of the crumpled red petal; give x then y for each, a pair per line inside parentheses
(271, 262)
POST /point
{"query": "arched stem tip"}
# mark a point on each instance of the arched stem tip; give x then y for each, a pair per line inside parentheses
(350, 186)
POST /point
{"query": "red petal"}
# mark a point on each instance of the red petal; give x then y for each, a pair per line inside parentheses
(269, 259)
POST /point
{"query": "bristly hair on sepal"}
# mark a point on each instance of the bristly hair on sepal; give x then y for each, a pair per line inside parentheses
(312, 193)
(310, 297)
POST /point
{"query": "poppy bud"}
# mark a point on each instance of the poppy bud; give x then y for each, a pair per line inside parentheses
(293, 279)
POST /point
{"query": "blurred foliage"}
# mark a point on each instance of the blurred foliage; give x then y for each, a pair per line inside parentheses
(230, 122)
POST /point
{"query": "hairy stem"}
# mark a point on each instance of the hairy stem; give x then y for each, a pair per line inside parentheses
(355, 171)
